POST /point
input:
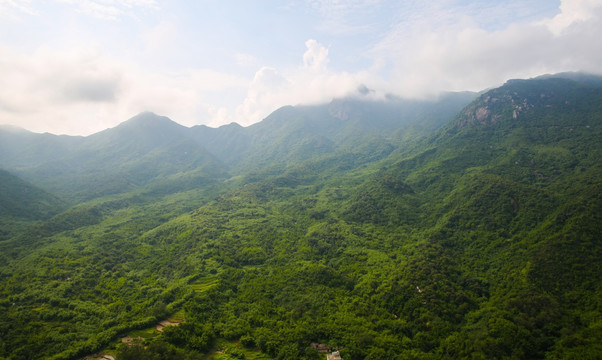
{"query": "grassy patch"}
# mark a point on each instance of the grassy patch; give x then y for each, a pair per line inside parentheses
(148, 333)
(179, 316)
(226, 350)
(204, 284)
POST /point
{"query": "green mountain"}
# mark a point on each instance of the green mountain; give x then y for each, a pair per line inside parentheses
(20, 199)
(150, 149)
(424, 236)
(293, 134)
(144, 150)
(22, 203)
(20, 149)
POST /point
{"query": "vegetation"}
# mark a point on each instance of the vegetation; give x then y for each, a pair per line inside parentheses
(476, 240)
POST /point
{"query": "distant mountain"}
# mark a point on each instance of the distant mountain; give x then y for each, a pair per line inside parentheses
(293, 134)
(149, 148)
(142, 150)
(228, 142)
(21, 149)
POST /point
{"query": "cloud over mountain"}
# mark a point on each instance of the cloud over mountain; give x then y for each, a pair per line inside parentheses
(79, 67)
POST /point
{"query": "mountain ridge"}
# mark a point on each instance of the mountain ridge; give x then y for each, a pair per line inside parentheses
(288, 135)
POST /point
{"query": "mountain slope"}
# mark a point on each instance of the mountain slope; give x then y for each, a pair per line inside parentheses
(22, 203)
(511, 192)
(23, 200)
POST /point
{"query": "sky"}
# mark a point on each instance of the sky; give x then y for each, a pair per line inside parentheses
(80, 66)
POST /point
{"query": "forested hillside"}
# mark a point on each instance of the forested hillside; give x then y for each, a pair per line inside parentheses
(22, 204)
(454, 229)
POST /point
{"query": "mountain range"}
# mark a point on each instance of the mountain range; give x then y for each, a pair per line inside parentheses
(150, 148)
(466, 226)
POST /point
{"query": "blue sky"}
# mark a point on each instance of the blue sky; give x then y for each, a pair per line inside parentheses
(77, 67)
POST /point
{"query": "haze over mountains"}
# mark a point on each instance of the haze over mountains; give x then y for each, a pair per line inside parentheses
(463, 227)
(149, 148)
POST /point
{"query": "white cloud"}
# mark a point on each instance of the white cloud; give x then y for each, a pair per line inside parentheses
(12, 9)
(307, 84)
(260, 96)
(572, 11)
(421, 60)
(110, 9)
(161, 39)
(344, 17)
(437, 49)
(246, 60)
(181, 96)
(48, 77)
(218, 116)
(423, 48)
(316, 56)
(84, 91)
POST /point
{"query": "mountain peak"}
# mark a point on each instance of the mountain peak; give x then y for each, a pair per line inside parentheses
(146, 127)
(149, 119)
(510, 101)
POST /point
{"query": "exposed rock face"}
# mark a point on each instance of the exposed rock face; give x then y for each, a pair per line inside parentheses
(482, 113)
(501, 102)
(517, 97)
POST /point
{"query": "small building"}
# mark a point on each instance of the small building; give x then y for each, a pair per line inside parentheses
(334, 356)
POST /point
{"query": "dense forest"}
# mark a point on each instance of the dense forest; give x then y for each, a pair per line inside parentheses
(467, 226)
